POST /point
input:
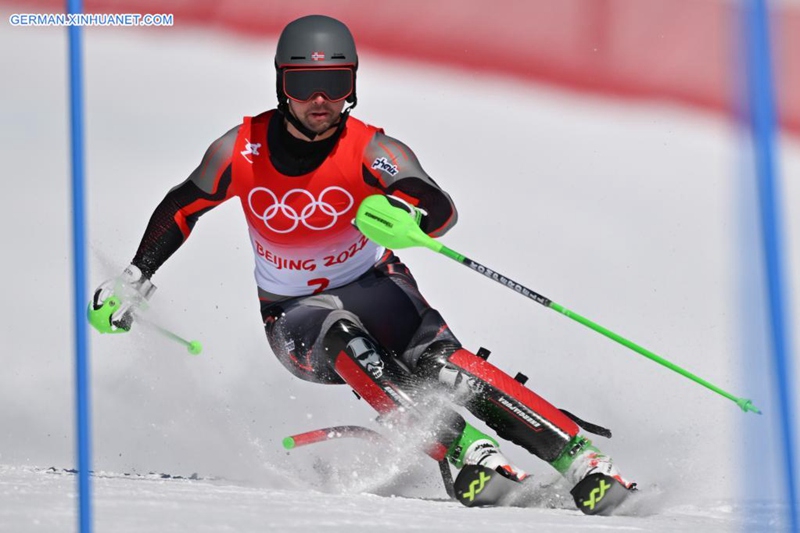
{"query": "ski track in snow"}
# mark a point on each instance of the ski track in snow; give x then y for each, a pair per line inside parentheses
(126, 504)
(623, 212)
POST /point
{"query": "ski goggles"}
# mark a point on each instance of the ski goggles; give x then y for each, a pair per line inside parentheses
(335, 84)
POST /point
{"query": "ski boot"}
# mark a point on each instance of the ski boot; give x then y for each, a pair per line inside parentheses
(487, 477)
(598, 486)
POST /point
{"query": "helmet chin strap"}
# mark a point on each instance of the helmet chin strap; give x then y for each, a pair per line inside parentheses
(310, 134)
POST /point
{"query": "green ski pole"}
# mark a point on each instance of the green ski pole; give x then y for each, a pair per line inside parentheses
(193, 347)
(100, 319)
(393, 228)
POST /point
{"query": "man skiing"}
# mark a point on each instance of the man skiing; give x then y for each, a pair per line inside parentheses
(339, 308)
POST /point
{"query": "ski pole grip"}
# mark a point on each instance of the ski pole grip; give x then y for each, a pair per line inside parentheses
(390, 226)
(100, 317)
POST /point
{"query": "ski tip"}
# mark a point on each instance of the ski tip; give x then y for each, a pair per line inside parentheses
(479, 486)
(599, 494)
(288, 443)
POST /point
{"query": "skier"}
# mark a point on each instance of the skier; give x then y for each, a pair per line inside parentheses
(338, 308)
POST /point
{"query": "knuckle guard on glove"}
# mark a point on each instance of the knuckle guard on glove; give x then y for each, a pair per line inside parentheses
(131, 288)
(413, 211)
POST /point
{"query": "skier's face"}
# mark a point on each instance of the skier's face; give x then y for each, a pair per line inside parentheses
(317, 114)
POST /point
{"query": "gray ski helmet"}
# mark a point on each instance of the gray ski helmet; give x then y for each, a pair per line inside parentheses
(315, 41)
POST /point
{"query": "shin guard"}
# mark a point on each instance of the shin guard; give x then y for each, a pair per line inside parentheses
(515, 412)
(386, 385)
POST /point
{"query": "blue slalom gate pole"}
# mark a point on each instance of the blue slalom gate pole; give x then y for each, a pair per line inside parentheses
(763, 125)
(82, 381)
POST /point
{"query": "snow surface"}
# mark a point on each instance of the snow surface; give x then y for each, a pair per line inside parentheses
(635, 215)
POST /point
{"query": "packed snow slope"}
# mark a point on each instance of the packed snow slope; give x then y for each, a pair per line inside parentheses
(632, 215)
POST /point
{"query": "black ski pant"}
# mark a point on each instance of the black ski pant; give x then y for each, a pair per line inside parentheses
(379, 335)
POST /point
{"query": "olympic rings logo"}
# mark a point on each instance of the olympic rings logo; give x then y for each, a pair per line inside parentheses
(284, 215)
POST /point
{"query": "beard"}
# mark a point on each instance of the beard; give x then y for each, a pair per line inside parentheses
(319, 117)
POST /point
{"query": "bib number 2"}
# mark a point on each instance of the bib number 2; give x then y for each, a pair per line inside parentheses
(321, 283)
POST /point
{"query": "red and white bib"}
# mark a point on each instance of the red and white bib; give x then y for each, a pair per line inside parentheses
(301, 226)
